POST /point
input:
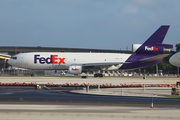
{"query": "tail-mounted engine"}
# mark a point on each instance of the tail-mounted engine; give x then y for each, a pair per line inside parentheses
(154, 49)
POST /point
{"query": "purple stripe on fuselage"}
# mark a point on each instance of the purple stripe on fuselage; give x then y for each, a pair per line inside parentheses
(133, 62)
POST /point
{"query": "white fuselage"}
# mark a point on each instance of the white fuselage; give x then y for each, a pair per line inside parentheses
(61, 61)
(175, 59)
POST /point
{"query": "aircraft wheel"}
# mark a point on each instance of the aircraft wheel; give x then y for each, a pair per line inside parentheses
(95, 75)
(100, 75)
(83, 76)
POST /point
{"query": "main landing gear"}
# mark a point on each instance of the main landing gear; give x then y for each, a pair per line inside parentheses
(98, 75)
(32, 75)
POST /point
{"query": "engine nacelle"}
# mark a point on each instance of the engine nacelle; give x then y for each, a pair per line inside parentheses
(139, 48)
(75, 69)
(135, 47)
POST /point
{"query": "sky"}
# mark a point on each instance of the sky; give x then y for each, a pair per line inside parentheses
(93, 24)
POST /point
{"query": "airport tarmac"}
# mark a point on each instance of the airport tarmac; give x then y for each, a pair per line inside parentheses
(145, 92)
(92, 80)
(26, 103)
(78, 112)
(70, 95)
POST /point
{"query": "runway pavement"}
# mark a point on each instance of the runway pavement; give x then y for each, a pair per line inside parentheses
(92, 80)
(70, 95)
(26, 103)
(78, 112)
(66, 94)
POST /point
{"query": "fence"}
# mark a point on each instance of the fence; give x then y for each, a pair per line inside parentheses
(12, 71)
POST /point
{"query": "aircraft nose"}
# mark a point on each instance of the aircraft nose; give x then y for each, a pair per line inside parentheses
(174, 60)
(9, 61)
(171, 60)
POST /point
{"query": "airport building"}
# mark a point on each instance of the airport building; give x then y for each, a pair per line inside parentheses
(3, 60)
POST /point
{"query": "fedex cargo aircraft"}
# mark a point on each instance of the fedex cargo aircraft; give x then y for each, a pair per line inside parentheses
(152, 51)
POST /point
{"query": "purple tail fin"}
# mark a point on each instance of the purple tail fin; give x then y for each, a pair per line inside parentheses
(158, 36)
(153, 44)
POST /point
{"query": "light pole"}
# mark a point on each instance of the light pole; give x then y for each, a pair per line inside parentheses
(157, 69)
(177, 71)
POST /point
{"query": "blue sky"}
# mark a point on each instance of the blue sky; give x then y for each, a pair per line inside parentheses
(97, 24)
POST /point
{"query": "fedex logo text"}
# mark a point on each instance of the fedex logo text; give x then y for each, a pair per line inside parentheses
(75, 69)
(53, 59)
(153, 48)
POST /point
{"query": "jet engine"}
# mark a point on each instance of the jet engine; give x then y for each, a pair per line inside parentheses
(75, 69)
(155, 49)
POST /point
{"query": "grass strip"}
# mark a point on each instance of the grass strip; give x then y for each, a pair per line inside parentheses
(172, 96)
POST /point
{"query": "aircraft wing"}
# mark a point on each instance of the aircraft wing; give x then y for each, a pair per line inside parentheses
(98, 64)
(102, 64)
(154, 58)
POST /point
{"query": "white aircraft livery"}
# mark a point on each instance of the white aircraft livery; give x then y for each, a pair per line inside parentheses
(175, 59)
(146, 54)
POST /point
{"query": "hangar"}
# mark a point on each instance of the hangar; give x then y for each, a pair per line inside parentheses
(12, 50)
(3, 59)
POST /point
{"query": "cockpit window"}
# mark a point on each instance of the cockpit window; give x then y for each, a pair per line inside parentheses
(15, 58)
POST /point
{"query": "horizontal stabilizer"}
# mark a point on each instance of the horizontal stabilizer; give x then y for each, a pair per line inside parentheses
(98, 64)
(154, 58)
